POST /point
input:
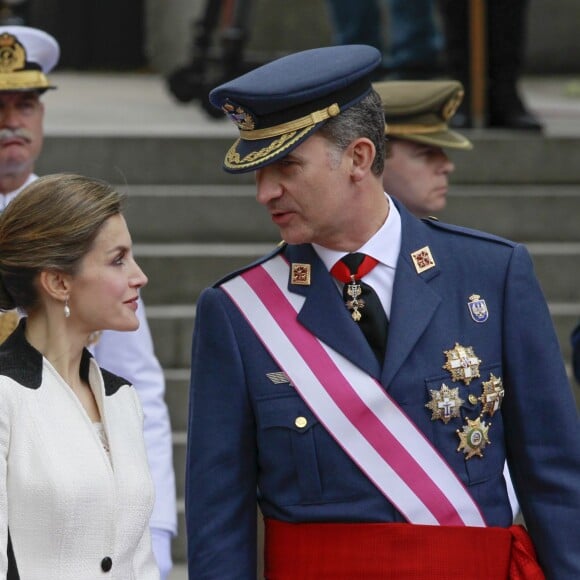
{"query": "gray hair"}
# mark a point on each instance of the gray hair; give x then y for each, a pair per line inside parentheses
(365, 119)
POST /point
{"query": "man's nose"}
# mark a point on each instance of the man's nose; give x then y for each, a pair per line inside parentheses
(10, 117)
(267, 186)
(446, 165)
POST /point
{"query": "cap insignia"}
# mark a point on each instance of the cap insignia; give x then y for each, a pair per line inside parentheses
(240, 117)
(452, 105)
(12, 54)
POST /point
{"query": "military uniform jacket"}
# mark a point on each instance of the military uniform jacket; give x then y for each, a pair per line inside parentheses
(243, 433)
(70, 512)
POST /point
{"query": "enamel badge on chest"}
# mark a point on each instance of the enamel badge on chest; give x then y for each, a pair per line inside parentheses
(492, 395)
(477, 308)
(462, 363)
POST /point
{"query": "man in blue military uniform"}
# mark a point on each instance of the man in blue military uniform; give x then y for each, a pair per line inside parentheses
(374, 369)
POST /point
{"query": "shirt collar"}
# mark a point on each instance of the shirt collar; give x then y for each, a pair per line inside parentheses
(6, 198)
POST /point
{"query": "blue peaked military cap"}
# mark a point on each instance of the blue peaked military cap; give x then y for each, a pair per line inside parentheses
(280, 104)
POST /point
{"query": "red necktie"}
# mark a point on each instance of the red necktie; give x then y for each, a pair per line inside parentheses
(362, 300)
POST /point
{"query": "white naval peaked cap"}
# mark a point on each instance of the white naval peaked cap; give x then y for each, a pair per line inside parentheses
(26, 55)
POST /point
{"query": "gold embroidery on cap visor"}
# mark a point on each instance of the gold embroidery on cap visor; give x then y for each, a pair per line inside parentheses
(234, 160)
(288, 135)
(18, 81)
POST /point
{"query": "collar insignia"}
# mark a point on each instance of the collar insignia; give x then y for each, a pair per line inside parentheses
(423, 260)
(300, 274)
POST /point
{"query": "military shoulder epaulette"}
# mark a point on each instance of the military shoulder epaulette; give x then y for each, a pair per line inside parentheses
(279, 248)
(469, 232)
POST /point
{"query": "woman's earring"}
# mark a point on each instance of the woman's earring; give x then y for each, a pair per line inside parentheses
(66, 308)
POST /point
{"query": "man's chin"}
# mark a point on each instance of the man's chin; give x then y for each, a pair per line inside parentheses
(14, 165)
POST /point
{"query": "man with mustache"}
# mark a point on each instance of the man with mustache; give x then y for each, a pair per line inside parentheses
(26, 55)
(366, 381)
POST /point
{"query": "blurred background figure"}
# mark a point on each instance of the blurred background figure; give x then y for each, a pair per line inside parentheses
(505, 25)
(417, 168)
(13, 12)
(414, 41)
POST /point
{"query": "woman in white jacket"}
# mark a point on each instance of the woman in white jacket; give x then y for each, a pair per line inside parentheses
(75, 490)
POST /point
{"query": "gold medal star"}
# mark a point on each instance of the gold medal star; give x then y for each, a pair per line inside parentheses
(444, 404)
(492, 396)
(462, 363)
(473, 438)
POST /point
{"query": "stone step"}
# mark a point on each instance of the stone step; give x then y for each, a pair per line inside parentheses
(225, 213)
(532, 213)
(501, 157)
(179, 272)
(202, 213)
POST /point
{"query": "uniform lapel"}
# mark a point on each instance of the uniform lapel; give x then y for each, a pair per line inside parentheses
(414, 300)
(324, 314)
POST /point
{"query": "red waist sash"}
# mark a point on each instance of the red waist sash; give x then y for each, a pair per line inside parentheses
(398, 551)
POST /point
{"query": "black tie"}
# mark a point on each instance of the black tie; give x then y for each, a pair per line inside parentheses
(363, 302)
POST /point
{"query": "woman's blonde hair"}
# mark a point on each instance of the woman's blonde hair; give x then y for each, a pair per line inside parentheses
(50, 225)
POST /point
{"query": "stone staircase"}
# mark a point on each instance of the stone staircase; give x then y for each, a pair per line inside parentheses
(192, 223)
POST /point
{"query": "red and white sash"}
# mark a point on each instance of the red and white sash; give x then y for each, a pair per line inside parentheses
(354, 407)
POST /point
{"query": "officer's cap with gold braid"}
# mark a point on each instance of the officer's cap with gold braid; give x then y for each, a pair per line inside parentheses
(26, 55)
(419, 111)
(280, 104)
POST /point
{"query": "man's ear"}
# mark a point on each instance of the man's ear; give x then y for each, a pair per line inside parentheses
(55, 284)
(363, 154)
